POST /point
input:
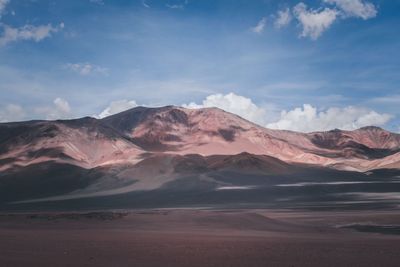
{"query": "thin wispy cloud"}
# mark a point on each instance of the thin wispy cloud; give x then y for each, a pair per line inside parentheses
(12, 112)
(27, 32)
(177, 6)
(259, 28)
(3, 4)
(86, 68)
(145, 4)
(389, 99)
(355, 8)
(283, 18)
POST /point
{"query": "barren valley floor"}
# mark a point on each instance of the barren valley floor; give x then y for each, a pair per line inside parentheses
(190, 237)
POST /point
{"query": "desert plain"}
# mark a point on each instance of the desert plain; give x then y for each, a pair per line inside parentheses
(201, 237)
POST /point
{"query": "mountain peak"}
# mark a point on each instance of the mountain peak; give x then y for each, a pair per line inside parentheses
(371, 128)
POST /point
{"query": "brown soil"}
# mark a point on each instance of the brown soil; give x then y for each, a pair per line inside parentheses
(196, 238)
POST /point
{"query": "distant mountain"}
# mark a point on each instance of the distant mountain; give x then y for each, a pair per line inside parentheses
(144, 149)
(212, 131)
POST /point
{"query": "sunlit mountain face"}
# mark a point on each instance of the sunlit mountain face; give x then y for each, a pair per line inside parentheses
(202, 155)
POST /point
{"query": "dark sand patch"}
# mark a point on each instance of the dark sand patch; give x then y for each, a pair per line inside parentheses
(373, 228)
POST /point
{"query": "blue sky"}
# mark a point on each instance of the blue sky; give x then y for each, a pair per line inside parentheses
(284, 64)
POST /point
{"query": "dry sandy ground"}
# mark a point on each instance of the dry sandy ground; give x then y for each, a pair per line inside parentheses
(197, 238)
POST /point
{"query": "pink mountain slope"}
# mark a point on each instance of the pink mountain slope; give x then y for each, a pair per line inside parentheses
(151, 148)
(212, 131)
(125, 137)
(84, 142)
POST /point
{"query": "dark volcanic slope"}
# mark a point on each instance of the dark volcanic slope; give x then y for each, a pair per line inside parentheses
(43, 180)
(49, 180)
(242, 180)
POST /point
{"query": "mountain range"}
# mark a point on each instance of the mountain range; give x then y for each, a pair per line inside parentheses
(174, 148)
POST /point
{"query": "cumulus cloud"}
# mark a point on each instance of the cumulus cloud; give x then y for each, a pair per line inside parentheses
(309, 119)
(302, 119)
(283, 18)
(3, 4)
(355, 8)
(86, 68)
(27, 32)
(116, 107)
(62, 105)
(314, 22)
(233, 103)
(259, 28)
(59, 110)
(12, 112)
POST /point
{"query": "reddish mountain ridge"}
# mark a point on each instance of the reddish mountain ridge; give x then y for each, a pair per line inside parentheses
(124, 137)
(83, 142)
(150, 148)
(213, 131)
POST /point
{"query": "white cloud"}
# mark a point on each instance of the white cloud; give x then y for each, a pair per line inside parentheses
(314, 22)
(11, 112)
(355, 8)
(116, 107)
(302, 119)
(62, 105)
(86, 68)
(308, 119)
(3, 4)
(259, 28)
(233, 103)
(60, 110)
(27, 32)
(284, 17)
